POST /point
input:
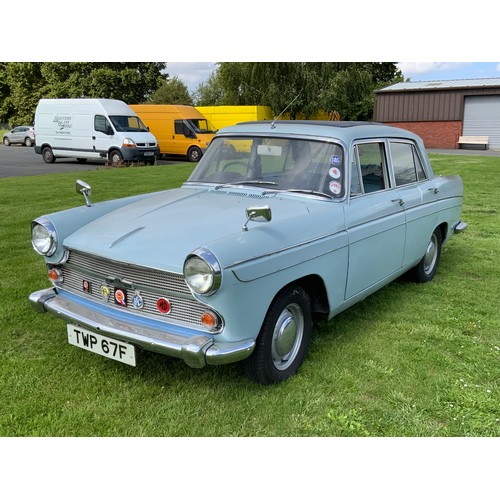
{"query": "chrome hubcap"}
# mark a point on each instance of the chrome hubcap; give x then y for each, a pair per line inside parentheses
(430, 255)
(287, 336)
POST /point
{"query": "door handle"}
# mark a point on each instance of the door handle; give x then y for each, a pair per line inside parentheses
(435, 190)
(400, 201)
(93, 137)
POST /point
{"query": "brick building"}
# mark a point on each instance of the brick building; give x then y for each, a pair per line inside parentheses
(442, 111)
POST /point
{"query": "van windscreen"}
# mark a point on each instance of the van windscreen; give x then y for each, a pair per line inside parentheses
(128, 124)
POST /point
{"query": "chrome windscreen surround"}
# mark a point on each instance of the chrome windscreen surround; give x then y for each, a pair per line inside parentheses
(97, 279)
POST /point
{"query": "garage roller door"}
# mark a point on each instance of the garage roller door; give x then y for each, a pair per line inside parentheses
(482, 117)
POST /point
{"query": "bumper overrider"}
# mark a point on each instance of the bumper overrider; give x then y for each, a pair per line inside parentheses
(196, 350)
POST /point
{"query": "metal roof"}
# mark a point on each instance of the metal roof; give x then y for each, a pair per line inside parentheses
(443, 85)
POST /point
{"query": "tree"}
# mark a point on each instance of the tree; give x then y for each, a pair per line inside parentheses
(301, 87)
(29, 82)
(173, 91)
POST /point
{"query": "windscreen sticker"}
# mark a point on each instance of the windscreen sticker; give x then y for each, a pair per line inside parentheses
(334, 173)
(335, 160)
(335, 187)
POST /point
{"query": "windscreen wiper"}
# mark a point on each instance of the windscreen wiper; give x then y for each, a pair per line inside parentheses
(249, 181)
(309, 191)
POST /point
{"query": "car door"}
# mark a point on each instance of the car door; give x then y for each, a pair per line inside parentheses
(375, 219)
(418, 195)
(17, 134)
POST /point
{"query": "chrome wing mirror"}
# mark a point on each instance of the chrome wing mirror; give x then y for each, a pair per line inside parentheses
(84, 189)
(257, 214)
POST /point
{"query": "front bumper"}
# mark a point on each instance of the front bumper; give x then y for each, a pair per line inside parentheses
(196, 351)
(140, 154)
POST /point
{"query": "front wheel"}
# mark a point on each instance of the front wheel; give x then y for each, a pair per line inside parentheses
(426, 269)
(194, 154)
(115, 158)
(48, 155)
(283, 339)
(6, 141)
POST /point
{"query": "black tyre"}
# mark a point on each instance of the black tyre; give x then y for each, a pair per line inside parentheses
(48, 155)
(115, 158)
(6, 141)
(28, 142)
(194, 154)
(283, 340)
(425, 270)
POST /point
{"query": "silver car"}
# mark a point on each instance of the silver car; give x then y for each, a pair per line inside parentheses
(20, 135)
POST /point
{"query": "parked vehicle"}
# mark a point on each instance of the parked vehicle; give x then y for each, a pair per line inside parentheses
(180, 130)
(20, 135)
(101, 129)
(300, 223)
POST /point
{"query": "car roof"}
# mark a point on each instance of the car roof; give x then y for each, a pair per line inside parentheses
(346, 131)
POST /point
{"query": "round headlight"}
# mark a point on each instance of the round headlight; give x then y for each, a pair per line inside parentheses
(43, 237)
(202, 272)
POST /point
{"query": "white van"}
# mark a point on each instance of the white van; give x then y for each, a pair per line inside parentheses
(104, 129)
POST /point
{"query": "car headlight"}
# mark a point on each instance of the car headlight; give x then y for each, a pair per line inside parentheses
(128, 143)
(43, 236)
(202, 272)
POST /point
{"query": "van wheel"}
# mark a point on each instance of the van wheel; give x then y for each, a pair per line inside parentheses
(28, 142)
(48, 155)
(115, 158)
(283, 340)
(194, 154)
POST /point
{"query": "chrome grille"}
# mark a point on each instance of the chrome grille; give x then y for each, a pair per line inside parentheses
(152, 284)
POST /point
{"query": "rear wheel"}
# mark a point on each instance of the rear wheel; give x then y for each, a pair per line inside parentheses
(28, 142)
(426, 269)
(48, 155)
(283, 339)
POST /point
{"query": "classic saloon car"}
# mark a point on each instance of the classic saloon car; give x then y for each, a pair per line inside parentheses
(279, 224)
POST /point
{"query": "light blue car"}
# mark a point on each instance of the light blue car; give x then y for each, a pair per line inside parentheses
(280, 224)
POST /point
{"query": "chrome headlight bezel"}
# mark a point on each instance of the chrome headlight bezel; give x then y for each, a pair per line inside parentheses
(43, 237)
(202, 272)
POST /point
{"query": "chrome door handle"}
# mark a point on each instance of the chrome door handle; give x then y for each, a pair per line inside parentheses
(400, 201)
(434, 190)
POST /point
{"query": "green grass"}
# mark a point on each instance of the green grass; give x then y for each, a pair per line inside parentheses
(411, 360)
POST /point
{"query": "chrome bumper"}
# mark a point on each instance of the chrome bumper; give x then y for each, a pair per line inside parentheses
(460, 227)
(196, 351)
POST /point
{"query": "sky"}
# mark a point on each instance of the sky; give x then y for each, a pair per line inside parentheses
(194, 73)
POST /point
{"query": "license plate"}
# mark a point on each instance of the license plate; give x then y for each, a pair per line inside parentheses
(149, 153)
(109, 348)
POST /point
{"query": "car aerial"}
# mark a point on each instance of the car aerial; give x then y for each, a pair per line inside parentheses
(20, 135)
(281, 223)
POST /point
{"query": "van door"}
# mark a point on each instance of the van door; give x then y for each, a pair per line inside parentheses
(102, 136)
(183, 138)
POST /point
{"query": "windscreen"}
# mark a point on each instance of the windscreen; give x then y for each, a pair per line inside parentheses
(282, 164)
(128, 123)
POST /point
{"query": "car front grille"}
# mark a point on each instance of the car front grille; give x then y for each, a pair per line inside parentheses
(85, 274)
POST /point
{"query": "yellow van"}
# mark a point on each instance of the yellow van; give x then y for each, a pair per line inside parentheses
(179, 130)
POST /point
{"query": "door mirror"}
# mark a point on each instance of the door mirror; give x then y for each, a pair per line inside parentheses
(257, 214)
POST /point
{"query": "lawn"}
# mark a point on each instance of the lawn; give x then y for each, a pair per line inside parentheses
(411, 360)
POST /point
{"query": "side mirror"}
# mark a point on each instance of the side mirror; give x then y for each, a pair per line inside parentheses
(85, 190)
(257, 214)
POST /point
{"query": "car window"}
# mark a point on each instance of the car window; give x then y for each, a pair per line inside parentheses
(101, 124)
(406, 163)
(369, 170)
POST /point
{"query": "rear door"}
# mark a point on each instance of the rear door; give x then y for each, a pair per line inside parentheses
(375, 219)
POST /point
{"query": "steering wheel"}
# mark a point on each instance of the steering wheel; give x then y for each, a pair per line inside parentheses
(236, 162)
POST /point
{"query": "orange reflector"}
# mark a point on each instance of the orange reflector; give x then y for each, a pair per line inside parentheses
(55, 275)
(209, 320)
